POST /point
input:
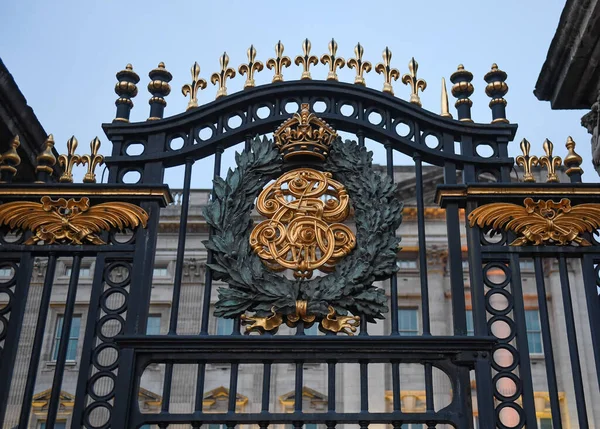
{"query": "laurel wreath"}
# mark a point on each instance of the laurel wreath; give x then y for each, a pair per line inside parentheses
(252, 287)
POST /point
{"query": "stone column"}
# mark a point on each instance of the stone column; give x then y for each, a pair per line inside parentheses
(591, 122)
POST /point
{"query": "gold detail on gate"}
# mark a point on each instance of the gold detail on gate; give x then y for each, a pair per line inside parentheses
(540, 222)
(573, 160)
(306, 60)
(304, 134)
(70, 221)
(46, 159)
(10, 159)
(337, 323)
(278, 63)
(445, 105)
(361, 66)
(333, 60)
(69, 160)
(550, 162)
(527, 161)
(415, 84)
(194, 86)
(220, 78)
(388, 72)
(252, 67)
(303, 232)
(300, 314)
(92, 161)
(262, 324)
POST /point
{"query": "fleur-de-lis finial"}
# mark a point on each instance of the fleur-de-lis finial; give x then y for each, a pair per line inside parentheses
(360, 65)
(573, 160)
(333, 60)
(445, 105)
(527, 161)
(192, 88)
(92, 161)
(220, 78)
(252, 67)
(278, 63)
(388, 72)
(550, 162)
(69, 160)
(306, 60)
(415, 84)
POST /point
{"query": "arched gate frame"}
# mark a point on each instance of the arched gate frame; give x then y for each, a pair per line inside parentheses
(456, 355)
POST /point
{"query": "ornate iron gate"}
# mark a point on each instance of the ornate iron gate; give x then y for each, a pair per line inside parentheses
(548, 223)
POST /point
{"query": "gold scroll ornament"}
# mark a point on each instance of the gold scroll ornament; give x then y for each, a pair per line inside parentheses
(303, 232)
(540, 222)
(70, 221)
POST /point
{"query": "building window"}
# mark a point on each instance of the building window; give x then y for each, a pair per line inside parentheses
(534, 331)
(407, 321)
(160, 272)
(57, 425)
(6, 272)
(526, 264)
(73, 337)
(545, 423)
(153, 325)
(407, 264)
(83, 272)
(224, 326)
(470, 329)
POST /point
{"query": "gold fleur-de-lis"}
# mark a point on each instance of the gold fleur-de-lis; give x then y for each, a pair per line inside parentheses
(333, 60)
(69, 160)
(527, 161)
(220, 78)
(252, 67)
(192, 88)
(415, 84)
(388, 72)
(445, 105)
(92, 161)
(306, 60)
(278, 63)
(360, 65)
(550, 162)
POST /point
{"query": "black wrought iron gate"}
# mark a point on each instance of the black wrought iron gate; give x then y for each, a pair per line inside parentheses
(491, 350)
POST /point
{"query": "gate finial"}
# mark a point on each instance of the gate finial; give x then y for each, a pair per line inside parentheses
(69, 160)
(306, 60)
(220, 78)
(388, 72)
(462, 89)
(415, 84)
(45, 161)
(445, 105)
(126, 89)
(250, 68)
(333, 60)
(92, 160)
(159, 88)
(496, 89)
(192, 88)
(550, 162)
(9, 161)
(527, 161)
(360, 65)
(278, 63)
(573, 162)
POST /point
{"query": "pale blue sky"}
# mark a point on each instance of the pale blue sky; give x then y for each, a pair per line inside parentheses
(64, 54)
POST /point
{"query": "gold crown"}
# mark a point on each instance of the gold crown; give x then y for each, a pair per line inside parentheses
(304, 135)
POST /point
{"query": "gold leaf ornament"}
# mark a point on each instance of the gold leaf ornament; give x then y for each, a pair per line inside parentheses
(193, 87)
(306, 59)
(71, 221)
(252, 67)
(333, 60)
(361, 66)
(278, 63)
(389, 73)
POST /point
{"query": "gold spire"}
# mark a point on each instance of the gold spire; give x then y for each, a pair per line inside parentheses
(445, 105)
(46, 159)
(278, 63)
(69, 160)
(10, 159)
(333, 60)
(360, 65)
(573, 160)
(388, 72)
(550, 162)
(415, 84)
(192, 88)
(92, 161)
(252, 67)
(220, 78)
(527, 161)
(306, 60)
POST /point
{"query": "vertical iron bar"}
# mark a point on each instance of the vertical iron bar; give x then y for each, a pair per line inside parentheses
(429, 405)
(298, 386)
(38, 340)
(361, 137)
(247, 142)
(64, 343)
(422, 245)
(331, 399)
(266, 388)
(185, 205)
(590, 284)
(364, 387)
(547, 342)
(209, 258)
(233, 381)
(394, 279)
(396, 386)
(572, 340)
(198, 401)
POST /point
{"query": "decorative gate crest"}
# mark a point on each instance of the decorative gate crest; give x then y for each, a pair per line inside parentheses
(303, 233)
